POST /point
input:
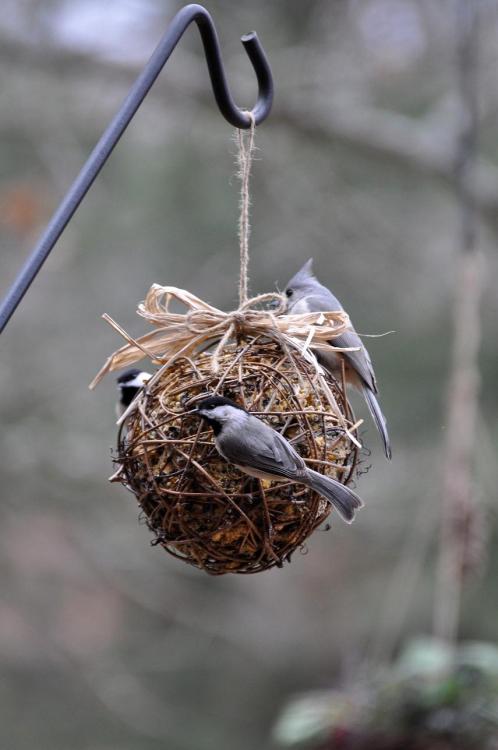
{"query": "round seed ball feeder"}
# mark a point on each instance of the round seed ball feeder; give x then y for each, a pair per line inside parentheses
(199, 507)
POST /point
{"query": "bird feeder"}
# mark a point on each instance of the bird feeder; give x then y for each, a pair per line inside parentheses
(200, 508)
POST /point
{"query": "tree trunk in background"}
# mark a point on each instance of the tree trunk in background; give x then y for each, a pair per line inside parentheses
(461, 518)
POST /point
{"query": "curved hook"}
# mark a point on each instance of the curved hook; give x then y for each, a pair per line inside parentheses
(235, 116)
(254, 50)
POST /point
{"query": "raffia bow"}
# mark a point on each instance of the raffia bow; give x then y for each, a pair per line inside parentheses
(183, 334)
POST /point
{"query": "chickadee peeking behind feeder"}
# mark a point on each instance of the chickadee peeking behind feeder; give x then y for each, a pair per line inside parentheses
(260, 451)
(129, 383)
(305, 294)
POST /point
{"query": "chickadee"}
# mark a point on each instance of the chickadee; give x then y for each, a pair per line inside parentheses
(306, 294)
(260, 451)
(129, 383)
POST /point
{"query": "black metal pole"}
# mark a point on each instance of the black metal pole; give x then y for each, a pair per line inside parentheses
(235, 116)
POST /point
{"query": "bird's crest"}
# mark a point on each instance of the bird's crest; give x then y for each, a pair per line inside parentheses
(303, 276)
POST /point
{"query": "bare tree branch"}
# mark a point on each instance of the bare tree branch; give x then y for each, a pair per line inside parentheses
(426, 145)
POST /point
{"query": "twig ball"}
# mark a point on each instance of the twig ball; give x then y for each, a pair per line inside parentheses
(199, 507)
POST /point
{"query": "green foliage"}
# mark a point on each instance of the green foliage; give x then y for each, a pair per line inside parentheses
(430, 693)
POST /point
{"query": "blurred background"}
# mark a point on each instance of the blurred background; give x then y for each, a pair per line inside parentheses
(106, 642)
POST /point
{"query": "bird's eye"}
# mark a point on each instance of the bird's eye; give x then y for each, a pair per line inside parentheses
(289, 292)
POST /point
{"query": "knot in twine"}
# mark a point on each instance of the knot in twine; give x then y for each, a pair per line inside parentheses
(237, 321)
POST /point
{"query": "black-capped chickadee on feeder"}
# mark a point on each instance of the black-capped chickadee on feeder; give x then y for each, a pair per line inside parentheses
(260, 451)
(306, 294)
(129, 383)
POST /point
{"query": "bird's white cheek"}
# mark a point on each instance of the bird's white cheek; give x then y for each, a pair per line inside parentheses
(300, 307)
(138, 382)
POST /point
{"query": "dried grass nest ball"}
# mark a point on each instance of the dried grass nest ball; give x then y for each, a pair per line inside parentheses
(200, 508)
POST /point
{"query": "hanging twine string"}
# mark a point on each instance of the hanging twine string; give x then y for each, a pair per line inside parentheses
(244, 162)
(177, 335)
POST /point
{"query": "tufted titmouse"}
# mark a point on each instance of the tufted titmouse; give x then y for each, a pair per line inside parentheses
(306, 294)
(260, 451)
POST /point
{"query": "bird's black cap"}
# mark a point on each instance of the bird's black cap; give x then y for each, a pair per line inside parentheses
(212, 401)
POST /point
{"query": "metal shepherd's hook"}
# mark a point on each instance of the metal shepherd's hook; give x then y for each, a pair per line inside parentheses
(137, 94)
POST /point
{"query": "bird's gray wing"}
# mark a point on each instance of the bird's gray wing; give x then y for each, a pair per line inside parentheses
(360, 361)
(260, 447)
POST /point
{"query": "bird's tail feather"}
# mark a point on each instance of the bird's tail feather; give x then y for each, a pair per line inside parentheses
(378, 418)
(342, 498)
